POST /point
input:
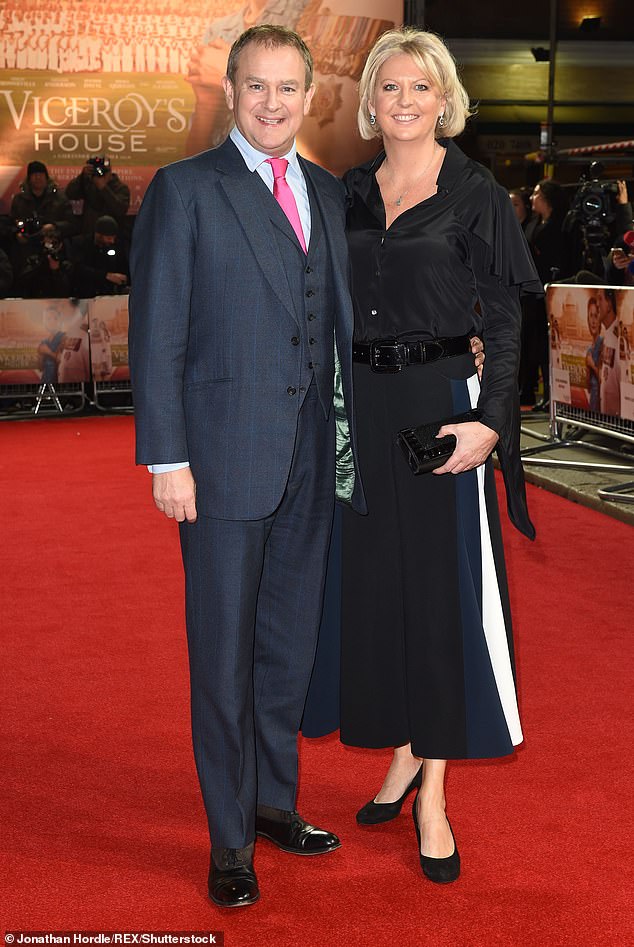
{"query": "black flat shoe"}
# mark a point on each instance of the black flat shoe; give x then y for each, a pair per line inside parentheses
(373, 813)
(293, 834)
(232, 881)
(439, 870)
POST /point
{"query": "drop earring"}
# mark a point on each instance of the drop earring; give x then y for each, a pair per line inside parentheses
(372, 119)
(441, 119)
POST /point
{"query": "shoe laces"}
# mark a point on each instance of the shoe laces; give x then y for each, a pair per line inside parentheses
(234, 858)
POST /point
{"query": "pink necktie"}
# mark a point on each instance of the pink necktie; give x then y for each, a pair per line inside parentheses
(284, 197)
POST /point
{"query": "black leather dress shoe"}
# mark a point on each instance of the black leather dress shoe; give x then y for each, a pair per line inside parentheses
(293, 834)
(373, 813)
(232, 881)
(440, 870)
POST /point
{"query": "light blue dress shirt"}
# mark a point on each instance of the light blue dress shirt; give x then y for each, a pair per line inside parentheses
(256, 161)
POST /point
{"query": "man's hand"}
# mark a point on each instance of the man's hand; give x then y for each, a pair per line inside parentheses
(621, 192)
(101, 181)
(119, 279)
(175, 494)
(620, 259)
(475, 441)
(477, 349)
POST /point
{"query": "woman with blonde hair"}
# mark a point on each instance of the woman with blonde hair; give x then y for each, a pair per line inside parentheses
(437, 256)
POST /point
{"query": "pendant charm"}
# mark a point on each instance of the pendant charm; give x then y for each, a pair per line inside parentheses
(398, 201)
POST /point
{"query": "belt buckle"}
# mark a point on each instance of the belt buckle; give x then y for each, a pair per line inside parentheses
(432, 358)
(387, 356)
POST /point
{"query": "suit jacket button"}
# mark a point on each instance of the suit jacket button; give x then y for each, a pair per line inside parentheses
(308, 269)
(310, 292)
(294, 340)
(291, 391)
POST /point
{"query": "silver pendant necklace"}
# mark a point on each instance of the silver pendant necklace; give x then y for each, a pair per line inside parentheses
(399, 199)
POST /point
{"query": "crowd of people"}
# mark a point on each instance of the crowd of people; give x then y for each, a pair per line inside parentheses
(74, 242)
(76, 37)
(70, 243)
(559, 245)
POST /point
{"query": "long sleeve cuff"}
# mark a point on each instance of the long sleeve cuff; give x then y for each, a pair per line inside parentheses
(165, 468)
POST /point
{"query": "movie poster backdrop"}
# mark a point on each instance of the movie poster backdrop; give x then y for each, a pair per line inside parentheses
(108, 320)
(139, 81)
(592, 348)
(43, 340)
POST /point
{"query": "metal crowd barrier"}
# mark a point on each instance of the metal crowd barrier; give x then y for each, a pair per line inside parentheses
(98, 375)
(564, 416)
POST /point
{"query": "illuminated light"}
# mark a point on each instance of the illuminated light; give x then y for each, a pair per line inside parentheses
(589, 24)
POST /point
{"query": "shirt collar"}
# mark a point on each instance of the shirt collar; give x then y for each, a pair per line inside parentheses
(254, 158)
(450, 172)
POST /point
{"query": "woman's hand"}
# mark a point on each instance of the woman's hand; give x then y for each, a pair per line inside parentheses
(477, 349)
(475, 441)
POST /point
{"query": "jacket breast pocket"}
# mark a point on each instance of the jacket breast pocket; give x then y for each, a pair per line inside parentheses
(205, 383)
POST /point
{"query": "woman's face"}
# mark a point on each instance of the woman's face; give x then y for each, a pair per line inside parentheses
(406, 102)
(594, 323)
(539, 203)
(518, 206)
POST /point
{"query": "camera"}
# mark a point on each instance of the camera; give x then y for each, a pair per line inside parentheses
(100, 166)
(53, 247)
(593, 207)
(28, 227)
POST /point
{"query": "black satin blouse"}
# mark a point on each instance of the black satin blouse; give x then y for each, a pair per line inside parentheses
(452, 265)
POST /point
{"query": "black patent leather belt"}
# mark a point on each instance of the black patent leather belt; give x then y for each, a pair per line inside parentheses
(391, 355)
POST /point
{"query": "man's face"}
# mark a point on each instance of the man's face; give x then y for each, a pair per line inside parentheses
(268, 98)
(105, 239)
(605, 307)
(37, 182)
(51, 320)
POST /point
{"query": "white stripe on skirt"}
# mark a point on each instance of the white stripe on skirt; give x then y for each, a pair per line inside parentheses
(492, 614)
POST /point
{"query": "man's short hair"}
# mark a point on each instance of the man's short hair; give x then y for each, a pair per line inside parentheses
(271, 37)
(610, 295)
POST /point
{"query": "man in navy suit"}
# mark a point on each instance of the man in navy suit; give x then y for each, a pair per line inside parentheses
(240, 333)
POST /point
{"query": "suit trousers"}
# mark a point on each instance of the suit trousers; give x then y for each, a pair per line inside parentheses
(254, 593)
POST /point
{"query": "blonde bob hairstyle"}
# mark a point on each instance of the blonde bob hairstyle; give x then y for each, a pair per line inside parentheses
(431, 54)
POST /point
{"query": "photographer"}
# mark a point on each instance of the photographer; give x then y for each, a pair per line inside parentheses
(6, 275)
(46, 274)
(550, 254)
(619, 263)
(37, 202)
(101, 191)
(101, 263)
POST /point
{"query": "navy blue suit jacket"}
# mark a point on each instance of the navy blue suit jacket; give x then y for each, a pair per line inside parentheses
(211, 315)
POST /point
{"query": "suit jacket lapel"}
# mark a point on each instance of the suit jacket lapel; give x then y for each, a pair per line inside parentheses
(244, 191)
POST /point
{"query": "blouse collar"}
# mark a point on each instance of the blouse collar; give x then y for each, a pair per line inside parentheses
(450, 172)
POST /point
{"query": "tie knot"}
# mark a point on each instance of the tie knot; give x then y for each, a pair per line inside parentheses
(279, 166)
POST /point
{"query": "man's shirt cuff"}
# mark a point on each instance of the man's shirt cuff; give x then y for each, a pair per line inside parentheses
(165, 468)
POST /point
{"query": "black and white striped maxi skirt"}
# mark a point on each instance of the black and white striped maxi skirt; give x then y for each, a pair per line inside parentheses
(427, 650)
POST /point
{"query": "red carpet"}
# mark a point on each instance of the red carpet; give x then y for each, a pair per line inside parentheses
(103, 827)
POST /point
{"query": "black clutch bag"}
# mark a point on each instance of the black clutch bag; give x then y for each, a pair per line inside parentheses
(423, 450)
